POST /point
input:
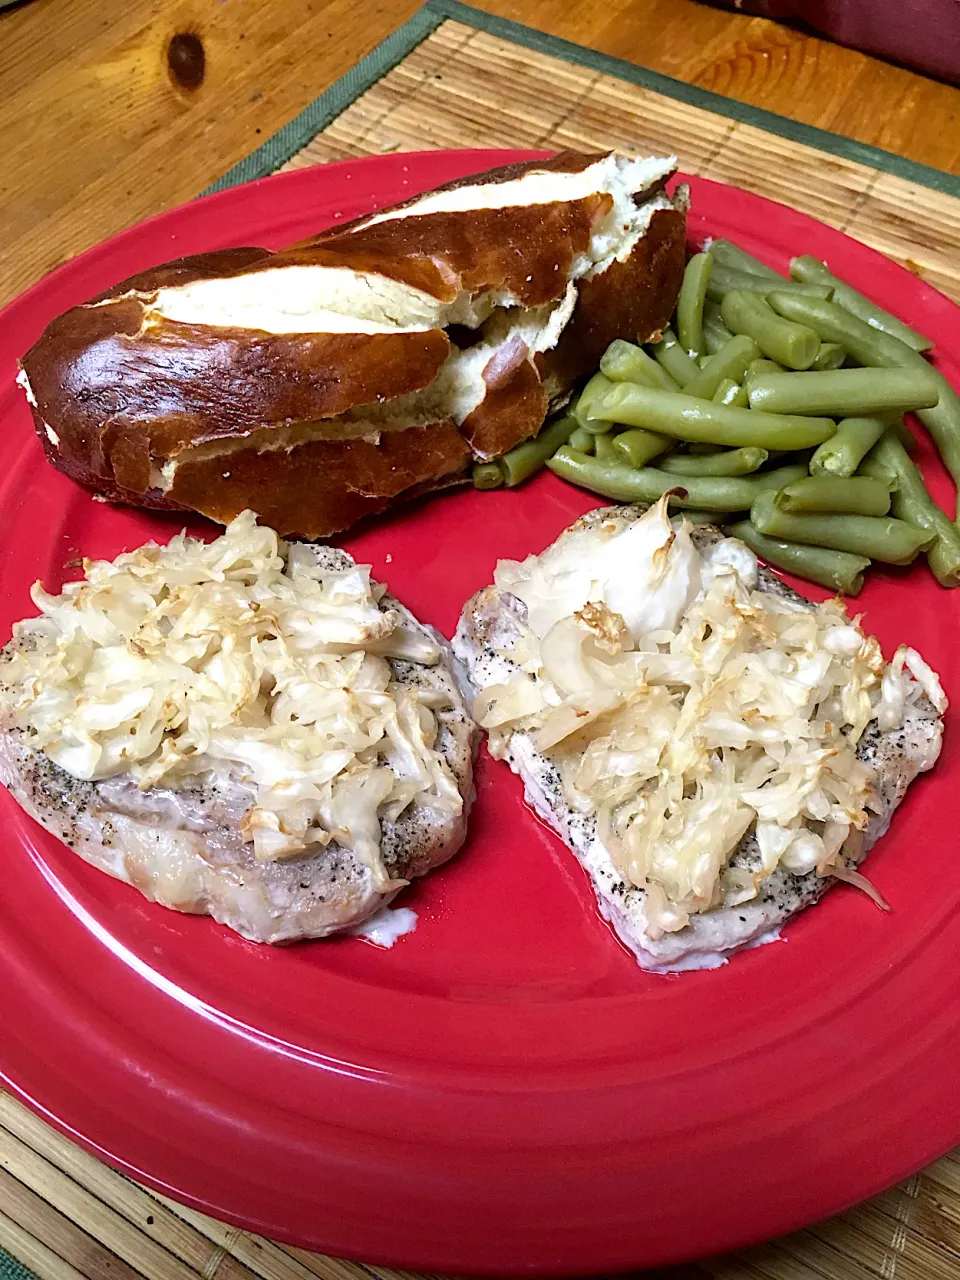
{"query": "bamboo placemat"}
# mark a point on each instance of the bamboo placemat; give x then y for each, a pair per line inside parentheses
(456, 77)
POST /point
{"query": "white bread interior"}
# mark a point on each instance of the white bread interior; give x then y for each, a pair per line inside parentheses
(310, 298)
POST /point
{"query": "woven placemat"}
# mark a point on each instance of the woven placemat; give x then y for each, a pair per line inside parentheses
(455, 77)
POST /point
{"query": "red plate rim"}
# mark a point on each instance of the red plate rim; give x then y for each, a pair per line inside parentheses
(502, 1093)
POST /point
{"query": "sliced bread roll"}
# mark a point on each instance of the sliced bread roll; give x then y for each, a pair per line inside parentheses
(320, 384)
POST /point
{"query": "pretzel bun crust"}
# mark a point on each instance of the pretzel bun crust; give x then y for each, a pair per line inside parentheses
(326, 382)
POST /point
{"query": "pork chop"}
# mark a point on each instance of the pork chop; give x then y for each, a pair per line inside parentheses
(493, 634)
(183, 846)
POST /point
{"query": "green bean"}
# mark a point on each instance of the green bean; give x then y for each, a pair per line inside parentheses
(523, 460)
(695, 516)
(844, 392)
(903, 433)
(842, 454)
(730, 392)
(672, 357)
(715, 332)
(836, 570)
(812, 270)
(647, 484)
(912, 502)
(763, 366)
(595, 387)
(876, 537)
(729, 362)
(637, 446)
(830, 356)
(870, 346)
(700, 448)
(604, 450)
(858, 496)
(791, 458)
(723, 281)
(487, 475)
(728, 254)
(794, 345)
(625, 362)
(893, 421)
(734, 462)
(681, 416)
(693, 290)
(582, 440)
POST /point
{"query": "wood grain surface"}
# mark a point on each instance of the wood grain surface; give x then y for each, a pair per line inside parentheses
(98, 132)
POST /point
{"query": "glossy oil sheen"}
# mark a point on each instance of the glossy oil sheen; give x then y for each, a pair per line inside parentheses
(504, 1091)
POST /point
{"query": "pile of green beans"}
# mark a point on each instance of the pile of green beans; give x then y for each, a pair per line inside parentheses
(774, 407)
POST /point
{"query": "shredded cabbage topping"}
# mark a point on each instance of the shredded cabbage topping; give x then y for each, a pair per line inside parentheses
(241, 657)
(742, 713)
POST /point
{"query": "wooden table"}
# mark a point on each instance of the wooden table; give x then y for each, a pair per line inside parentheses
(99, 133)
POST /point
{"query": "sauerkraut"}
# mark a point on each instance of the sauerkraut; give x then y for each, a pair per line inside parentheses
(246, 657)
(684, 708)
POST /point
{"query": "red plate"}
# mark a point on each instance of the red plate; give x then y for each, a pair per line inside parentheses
(504, 1091)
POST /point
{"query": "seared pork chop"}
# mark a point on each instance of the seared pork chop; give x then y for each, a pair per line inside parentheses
(183, 846)
(492, 642)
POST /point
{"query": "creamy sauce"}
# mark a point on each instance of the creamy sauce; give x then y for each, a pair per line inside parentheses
(385, 927)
